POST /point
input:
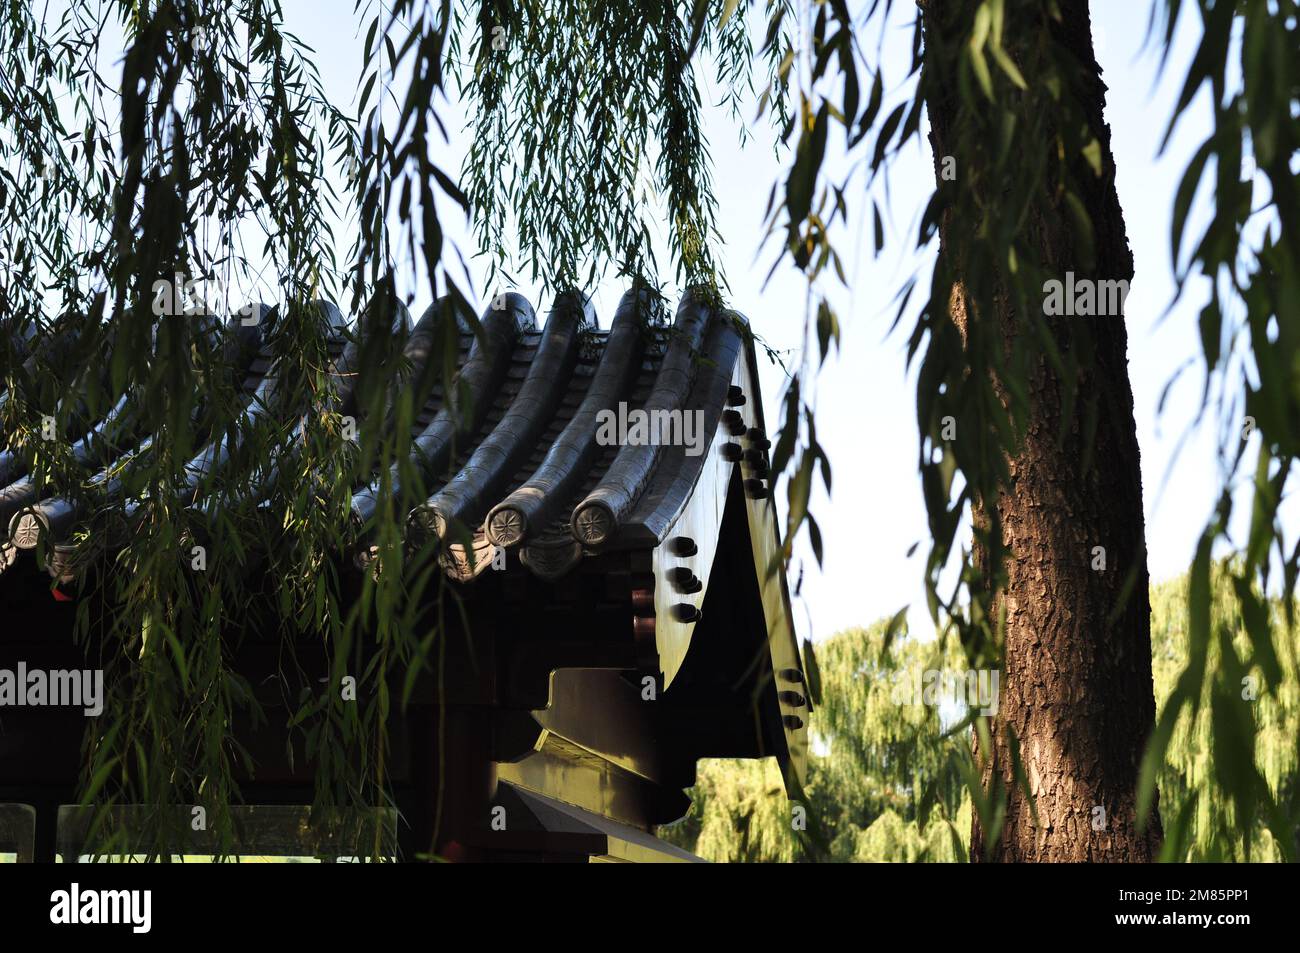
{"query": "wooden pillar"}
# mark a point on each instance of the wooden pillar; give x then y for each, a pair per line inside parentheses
(453, 779)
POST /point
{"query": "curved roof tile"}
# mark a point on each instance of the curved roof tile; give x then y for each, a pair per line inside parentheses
(459, 416)
(573, 453)
(518, 455)
(596, 519)
(467, 495)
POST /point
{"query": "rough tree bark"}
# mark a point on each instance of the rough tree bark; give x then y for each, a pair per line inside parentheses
(1076, 689)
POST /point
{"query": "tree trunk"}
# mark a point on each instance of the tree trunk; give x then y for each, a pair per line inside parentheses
(1076, 690)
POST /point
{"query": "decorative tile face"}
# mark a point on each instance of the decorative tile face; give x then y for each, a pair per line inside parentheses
(593, 525)
(506, 527)
(27, 531)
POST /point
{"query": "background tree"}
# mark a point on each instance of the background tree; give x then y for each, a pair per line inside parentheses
(1035, 199)
(1230, 779)
(1060, 547)
(886, 782)
(889, 779)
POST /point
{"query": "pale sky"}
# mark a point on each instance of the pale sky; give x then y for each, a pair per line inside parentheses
(865, 402)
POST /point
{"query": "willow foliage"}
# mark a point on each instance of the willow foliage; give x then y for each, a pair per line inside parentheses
(210, 160)
(1022, 125)
(208, 169)
(586, 131)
